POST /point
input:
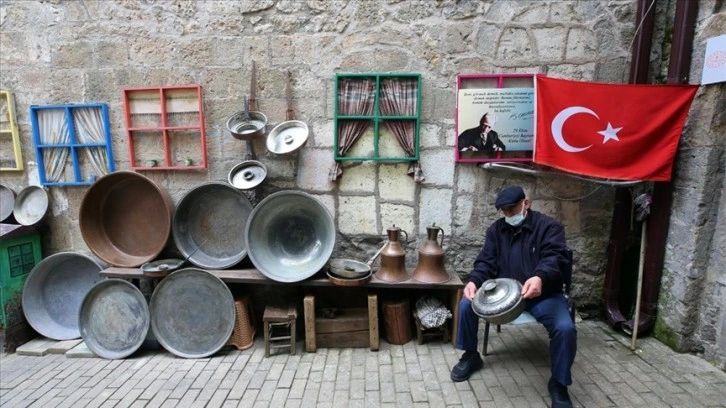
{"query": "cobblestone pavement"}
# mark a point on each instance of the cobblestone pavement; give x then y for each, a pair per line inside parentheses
(606, 374)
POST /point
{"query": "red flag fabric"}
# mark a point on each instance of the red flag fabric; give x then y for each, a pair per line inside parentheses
(611, 131)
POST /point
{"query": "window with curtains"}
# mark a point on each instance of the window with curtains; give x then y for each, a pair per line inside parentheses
(377, 117)
(72, 143)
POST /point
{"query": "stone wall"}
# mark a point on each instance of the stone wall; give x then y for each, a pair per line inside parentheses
(87, 51)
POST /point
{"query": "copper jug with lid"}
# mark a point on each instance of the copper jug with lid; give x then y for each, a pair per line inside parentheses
(393, 258)
(430, 267)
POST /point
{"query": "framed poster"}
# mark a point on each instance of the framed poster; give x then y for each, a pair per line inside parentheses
(494, 117)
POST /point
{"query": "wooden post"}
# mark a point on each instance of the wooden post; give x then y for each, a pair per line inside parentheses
(455, 299)
(373, 321)
(309, 316)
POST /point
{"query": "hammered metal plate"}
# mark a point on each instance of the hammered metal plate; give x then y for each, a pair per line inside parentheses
(114, 319)
(192, 313)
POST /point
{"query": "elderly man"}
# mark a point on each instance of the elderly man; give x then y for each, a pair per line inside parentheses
(481, 138)
(530, 247)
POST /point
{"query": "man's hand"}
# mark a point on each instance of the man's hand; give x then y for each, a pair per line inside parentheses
(531, 288)
(470, 290)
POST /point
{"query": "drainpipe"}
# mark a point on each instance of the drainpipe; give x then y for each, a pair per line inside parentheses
(659, 219)
(620, 225)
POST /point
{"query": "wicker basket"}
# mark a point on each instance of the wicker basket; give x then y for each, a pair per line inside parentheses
(243, 335)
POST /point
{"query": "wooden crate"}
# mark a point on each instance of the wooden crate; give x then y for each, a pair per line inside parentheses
(350, 327)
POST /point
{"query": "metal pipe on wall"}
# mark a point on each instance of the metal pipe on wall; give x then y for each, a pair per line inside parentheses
(659, 220)
(645, 20)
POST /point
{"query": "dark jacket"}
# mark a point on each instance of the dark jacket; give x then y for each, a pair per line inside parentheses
(472, 137)
(535, 248)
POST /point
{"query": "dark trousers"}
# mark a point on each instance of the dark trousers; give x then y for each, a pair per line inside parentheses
(551, 312)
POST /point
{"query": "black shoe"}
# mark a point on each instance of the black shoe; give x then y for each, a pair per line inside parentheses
(560, 397)
(470, 362)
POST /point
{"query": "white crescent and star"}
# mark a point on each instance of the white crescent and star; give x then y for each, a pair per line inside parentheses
(610, 133)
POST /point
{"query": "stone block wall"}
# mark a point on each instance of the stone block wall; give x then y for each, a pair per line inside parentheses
(54, 52)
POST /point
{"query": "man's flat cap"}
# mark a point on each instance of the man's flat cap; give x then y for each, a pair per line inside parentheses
(509, 196)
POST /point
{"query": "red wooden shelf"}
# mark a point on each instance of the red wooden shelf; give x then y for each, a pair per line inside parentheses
(165, 126)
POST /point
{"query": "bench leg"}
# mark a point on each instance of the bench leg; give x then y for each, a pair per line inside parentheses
(309, 317)
(486, 338)
(267, 339)
(374, 339)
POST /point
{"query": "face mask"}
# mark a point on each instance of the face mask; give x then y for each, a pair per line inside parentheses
(516, 219)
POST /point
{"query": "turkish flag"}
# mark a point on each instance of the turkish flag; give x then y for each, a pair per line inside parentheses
(611, 131)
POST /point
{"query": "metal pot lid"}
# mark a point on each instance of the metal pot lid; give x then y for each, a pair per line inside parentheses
(247, 175)
(162, 265)
(114, 319)
(497, 296)
(287, 137)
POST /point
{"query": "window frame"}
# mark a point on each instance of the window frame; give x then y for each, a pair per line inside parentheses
(377, 118)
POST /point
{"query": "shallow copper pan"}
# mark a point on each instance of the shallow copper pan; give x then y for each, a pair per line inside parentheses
(54, 291)
(125, 219)
(192, 313)
(209, 225)
(114, 319)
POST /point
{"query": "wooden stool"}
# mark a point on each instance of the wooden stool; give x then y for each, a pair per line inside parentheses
(279, 326)
(422, 332)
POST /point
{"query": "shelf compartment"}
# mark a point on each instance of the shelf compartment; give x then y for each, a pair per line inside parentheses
(174, 116)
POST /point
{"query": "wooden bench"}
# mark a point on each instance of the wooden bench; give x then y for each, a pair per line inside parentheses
(454, 288)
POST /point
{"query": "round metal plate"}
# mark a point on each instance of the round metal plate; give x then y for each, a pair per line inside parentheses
(247, 175)
(7, 202)
(54, 291)
(31, 205)
(290, 236)
(114, 319)
(209, 225)
(192, 313)
(287, 137)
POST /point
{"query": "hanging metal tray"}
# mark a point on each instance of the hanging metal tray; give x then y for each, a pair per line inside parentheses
(192, 313)
(114, 319)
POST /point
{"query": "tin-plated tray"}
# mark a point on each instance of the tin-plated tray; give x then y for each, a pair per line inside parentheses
(209, 225)
(54, 291)
(192, 313)
(114, 319)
